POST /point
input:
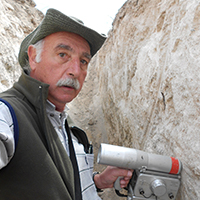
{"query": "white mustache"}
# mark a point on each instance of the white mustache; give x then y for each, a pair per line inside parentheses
(69, 82)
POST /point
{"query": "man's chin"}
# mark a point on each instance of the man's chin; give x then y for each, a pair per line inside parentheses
(68, 98)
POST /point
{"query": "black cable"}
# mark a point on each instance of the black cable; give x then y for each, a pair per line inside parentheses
(120, 194)
(142, 193)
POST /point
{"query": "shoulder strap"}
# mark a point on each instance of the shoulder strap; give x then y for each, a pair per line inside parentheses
(14, 118)
(82, 137)
(78, 193)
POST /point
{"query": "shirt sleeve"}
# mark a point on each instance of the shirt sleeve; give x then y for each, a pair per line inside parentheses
(7, 144)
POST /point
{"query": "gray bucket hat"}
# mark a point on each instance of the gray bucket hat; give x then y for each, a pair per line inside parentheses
(55, 21)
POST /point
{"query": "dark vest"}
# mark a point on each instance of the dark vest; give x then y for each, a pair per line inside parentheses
(40, 168)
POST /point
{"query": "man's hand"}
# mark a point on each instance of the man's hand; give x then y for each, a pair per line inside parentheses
(107, 178)
(6, 149)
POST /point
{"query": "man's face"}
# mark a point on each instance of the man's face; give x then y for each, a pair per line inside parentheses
(64, 55)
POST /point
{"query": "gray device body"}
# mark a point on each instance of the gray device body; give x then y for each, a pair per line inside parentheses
(155, 177)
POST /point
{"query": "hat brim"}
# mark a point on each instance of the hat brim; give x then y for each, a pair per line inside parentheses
(55, 21)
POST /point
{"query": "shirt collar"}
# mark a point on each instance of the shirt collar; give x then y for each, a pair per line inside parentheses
(51, 108)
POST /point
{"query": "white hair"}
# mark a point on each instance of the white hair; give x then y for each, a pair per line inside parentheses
(69, 82)
(39, 47)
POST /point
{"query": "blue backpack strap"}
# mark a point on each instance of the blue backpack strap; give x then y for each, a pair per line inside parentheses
(14, 118)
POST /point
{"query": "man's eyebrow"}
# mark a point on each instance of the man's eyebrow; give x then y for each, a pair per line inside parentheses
(87, 55)
(64, 46)
(67, 47)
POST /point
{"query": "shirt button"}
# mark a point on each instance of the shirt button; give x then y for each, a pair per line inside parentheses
(51, 115)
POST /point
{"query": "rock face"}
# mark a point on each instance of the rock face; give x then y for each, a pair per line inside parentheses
(143, 87)
(17, 19)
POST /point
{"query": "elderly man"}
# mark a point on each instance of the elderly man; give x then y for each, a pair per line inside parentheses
(41, 156)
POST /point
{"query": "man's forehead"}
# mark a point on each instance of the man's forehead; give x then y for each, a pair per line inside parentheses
(68, 41)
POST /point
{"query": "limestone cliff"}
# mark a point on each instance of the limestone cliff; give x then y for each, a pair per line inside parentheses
(143, 86)
(17, 19)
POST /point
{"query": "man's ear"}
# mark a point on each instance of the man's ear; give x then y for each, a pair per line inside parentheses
(32, 55)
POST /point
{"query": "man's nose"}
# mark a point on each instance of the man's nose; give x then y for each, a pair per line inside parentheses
(74, 68)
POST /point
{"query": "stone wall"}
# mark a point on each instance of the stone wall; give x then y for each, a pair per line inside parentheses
(143, 87)
(17, 19)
